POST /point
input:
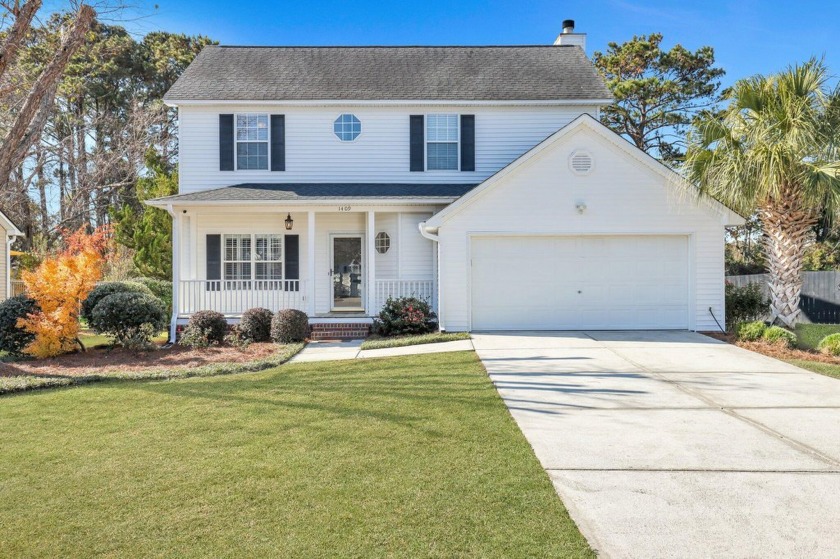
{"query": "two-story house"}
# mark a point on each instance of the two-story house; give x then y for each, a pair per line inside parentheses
(329, 178)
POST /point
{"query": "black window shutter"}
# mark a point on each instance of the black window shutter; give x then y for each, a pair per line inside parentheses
(416, 143)
(468, 142)
(226, 142)
(292, 254)
(214, 262)
(278, 142)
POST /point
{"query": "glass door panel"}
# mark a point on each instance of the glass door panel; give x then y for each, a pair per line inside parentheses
(347, 273)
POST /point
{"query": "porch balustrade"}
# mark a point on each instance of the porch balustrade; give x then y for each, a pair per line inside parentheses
(235, 297)
(421, 289)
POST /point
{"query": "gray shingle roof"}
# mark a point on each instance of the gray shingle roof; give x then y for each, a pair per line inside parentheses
(493, 73)
(320, 191)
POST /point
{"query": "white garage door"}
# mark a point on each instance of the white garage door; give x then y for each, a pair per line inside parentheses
(571, 283)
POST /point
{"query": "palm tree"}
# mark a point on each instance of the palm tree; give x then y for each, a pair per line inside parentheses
(775, 151)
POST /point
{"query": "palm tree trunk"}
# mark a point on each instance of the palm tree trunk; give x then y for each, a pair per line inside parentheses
(787, 226)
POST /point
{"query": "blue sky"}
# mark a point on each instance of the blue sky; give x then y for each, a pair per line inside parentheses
(748, 36)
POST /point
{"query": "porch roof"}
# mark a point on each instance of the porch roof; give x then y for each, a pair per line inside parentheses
(313, 192)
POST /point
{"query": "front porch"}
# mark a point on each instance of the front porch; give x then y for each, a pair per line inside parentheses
(234, 298)
(336, 266)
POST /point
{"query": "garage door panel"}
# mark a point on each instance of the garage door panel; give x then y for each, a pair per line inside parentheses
(598, 282)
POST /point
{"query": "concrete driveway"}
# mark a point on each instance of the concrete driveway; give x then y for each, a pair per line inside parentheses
(671, 444)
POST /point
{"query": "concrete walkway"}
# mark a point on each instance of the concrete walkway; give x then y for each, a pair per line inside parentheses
(671, 444)
(334, 351)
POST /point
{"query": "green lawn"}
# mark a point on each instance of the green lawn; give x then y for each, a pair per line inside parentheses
(403, 457)
(402, 341)
(809, 335)
(828, 369)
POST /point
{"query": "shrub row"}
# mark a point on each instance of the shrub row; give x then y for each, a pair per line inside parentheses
(207, 328)
(130, 312)
(759, 331)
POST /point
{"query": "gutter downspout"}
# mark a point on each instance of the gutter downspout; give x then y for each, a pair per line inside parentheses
(176, 274)
(426, 234)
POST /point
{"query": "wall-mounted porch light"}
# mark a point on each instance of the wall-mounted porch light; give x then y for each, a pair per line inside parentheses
(580, 207)
(289, 222)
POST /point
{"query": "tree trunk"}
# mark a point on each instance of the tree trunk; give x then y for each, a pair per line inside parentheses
(29, 121)
(16, 34)
(787, 226)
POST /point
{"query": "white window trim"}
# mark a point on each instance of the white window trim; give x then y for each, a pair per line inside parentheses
(236, 142)
(426, 144)
(252, 282)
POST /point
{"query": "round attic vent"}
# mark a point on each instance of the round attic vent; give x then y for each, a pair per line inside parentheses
(581, 163)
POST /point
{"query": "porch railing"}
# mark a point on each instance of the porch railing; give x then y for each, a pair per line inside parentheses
(421, 289)
(235, 297)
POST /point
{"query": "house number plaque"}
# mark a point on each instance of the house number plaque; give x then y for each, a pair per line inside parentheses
(345, 208)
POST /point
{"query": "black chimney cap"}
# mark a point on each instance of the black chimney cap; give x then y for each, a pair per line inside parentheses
(568, 23)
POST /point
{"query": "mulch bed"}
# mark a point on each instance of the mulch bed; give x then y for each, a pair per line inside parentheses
(776, 350)
(105, 360)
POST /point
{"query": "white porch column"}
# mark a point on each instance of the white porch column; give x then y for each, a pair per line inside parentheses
(370, 263)
(176, 273)
(310, 264)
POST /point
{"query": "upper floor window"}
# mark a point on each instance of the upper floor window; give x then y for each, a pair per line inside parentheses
(252, 141)
(347, 127)
(442, 142)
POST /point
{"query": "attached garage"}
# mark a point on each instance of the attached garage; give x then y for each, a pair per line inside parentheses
(582, 232)
(579, 282)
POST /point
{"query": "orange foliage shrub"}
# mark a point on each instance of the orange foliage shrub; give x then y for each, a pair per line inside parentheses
(59, 285)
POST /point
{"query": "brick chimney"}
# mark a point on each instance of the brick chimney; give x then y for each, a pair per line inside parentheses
(569, 37)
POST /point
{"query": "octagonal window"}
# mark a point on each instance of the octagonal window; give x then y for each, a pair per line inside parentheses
(347, 127)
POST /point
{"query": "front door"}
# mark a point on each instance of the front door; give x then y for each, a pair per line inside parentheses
(347, 273)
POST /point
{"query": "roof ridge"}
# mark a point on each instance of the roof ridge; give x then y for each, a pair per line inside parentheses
(384, 46)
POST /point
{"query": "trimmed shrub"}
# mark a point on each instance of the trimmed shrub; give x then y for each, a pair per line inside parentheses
(830, 345)
(255, 325)
(161, 289)
(107, 288)
(236, 338)
(403, 316)
(750, 331)
(131, 319)
(777, 335)
(289, 325)
(745, 304)
(12, 338)
(205, 328)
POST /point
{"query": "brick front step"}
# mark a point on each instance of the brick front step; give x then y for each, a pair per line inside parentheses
(340, 331)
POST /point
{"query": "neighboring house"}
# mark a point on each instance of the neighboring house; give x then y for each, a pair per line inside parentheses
(9, 231)
(329, 178)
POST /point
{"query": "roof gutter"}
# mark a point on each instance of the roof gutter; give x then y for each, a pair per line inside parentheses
(428, 232)
(165, 203)
(387, 102)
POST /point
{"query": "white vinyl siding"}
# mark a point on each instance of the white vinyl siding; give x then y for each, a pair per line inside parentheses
(380, 154)
(622, 197)
(416, 260)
